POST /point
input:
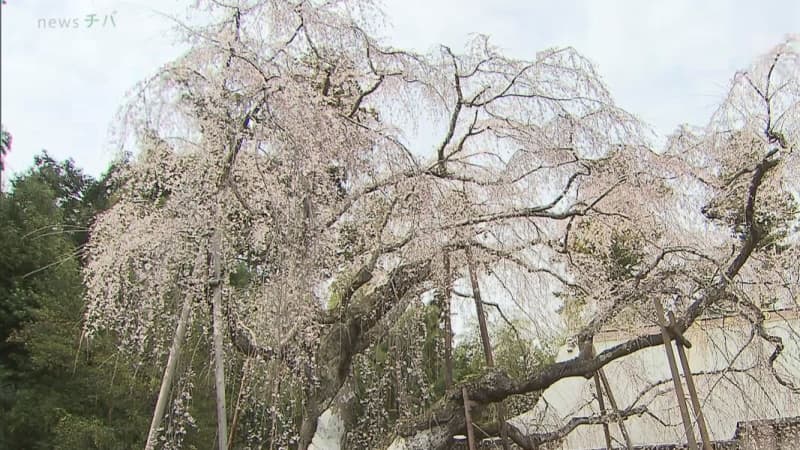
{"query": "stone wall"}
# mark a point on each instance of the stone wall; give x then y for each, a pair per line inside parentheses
(769, 434)
(780, 434)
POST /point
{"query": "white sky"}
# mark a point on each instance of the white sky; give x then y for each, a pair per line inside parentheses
(667, 61)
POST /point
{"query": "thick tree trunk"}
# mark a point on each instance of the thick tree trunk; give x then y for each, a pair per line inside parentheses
(310, 416)
(307, 430)
(345, 338)
(334, 422)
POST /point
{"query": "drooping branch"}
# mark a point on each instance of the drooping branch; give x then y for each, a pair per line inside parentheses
(315, 91)
(496, 386)
(756, 317)
(507, 255)
(244, 341)
(545, 211)
(532, 441)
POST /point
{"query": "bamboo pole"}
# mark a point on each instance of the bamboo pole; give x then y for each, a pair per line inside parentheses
(476, 294)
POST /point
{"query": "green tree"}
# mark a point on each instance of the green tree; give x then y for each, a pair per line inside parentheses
(35, 260)
(5, 147)
(53, 395)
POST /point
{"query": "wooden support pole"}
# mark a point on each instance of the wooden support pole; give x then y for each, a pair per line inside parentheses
(599, 390)
(476, 294)
(676, 377)
(690, 386)
(468, 418)
(169, 373)
(172, 361)
(219, 353)
(448, 326)
(615, 408)
(487, 345)
(235, 420)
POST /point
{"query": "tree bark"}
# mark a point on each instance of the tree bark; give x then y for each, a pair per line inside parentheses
(345, 338)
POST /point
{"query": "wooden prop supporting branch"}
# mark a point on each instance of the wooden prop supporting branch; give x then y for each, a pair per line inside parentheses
(219, 357)
(601, 384)
(468, 418)
(237, 407)
(448, 326)
(690, 386)
(621, 421)
(487, 345)
(476, 294)
(599, 390)
(676, 377)
(172, 361)
(169, 373)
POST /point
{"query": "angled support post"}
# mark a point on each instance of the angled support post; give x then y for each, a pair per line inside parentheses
(676, 376)
(690, 386)
(468, 418)
(598, 388)
(621, 422)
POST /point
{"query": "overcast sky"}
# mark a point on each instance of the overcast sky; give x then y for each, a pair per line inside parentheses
(669, 62)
